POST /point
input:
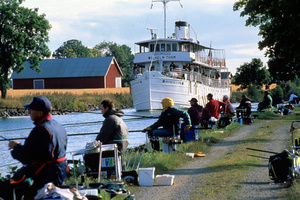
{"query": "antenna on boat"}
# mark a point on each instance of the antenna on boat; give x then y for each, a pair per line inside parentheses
(152, 31)
(165, 13)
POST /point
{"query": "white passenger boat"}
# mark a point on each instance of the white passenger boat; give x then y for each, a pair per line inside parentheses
(178, 67)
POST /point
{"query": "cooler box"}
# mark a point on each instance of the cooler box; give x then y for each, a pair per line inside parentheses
(146, 176)
(165, 179)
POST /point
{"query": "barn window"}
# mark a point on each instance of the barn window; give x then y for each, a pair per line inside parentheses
(118, 82)
(38, 84)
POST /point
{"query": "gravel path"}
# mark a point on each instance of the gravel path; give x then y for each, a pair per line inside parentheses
(186, 178)
(258, 183)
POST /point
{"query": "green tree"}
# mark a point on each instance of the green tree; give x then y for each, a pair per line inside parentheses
(123, 55)
(252, 73)
(254, 93)
(72, 49)
(23, 36)
(95, 53)
(279, 23)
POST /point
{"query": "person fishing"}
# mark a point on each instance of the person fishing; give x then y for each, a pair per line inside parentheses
(42, 154)
(198, 114)
(266, 103)
(169, 120)
(113, 130)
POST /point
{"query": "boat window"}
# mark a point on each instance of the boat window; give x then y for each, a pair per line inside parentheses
(168, 47)
(174, 46)
(163, 47)
(185, 47)
(192, 48)
(151, 47)
(157, 47)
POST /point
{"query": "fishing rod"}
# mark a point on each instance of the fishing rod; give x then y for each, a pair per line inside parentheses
(71, 124)
(91, 112)
(262, 150)
(80, 134)
(72, 134)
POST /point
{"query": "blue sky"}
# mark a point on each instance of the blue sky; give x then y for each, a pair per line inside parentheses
(126, 22)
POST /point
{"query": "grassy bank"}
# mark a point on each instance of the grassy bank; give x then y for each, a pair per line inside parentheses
(72, 100)
(230, 170)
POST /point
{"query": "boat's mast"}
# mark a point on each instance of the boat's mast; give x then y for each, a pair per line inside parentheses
(165, 13)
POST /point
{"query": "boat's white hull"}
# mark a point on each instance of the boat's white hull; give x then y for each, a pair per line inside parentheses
(149, 89)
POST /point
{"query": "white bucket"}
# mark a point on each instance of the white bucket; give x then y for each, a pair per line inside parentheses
(146, 176)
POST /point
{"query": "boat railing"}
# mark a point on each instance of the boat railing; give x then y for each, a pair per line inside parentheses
(200, 78)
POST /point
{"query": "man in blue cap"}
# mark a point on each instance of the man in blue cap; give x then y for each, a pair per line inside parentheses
(43, 153)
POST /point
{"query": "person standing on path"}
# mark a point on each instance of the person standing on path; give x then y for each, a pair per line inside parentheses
(43, 154)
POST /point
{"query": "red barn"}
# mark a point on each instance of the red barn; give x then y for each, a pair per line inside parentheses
(97, 72)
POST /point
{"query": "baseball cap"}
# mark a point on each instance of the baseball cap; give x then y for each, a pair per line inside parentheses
(193, 100)
(226, 96)
(39, 103)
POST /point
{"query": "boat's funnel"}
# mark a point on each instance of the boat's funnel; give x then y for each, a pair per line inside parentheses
(182, 30)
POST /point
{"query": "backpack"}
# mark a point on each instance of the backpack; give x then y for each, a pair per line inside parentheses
(280, 167)
(223, 122)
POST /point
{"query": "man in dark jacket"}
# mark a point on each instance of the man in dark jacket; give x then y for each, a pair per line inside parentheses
(43, 153)
(245, 105)
(169, 120)
(198, 114)
(114, 130)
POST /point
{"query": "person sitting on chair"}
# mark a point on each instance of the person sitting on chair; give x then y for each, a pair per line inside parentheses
(214, 106)
(198, 114)
(169, 120)
(244, 104)
(266, 103)
(113, 130)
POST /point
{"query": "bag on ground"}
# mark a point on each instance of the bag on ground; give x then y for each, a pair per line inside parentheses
(280, 167)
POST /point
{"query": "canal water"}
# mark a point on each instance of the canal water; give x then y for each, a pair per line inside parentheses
(74, 123)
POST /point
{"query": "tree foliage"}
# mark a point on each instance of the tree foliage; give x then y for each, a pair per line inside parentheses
(279, 22)
(23, 36)
(123, 55)
(252, 73)
(72, 49)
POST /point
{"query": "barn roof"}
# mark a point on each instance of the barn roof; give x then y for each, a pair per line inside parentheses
(68, 67)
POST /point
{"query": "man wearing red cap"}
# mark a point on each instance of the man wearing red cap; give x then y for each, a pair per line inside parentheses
(43, 153)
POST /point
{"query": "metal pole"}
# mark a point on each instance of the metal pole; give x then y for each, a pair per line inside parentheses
(100, 162)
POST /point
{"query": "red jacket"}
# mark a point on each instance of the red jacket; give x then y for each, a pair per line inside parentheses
(215, 107)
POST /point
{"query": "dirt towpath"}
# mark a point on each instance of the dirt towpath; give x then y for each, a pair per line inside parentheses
(256, 186)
